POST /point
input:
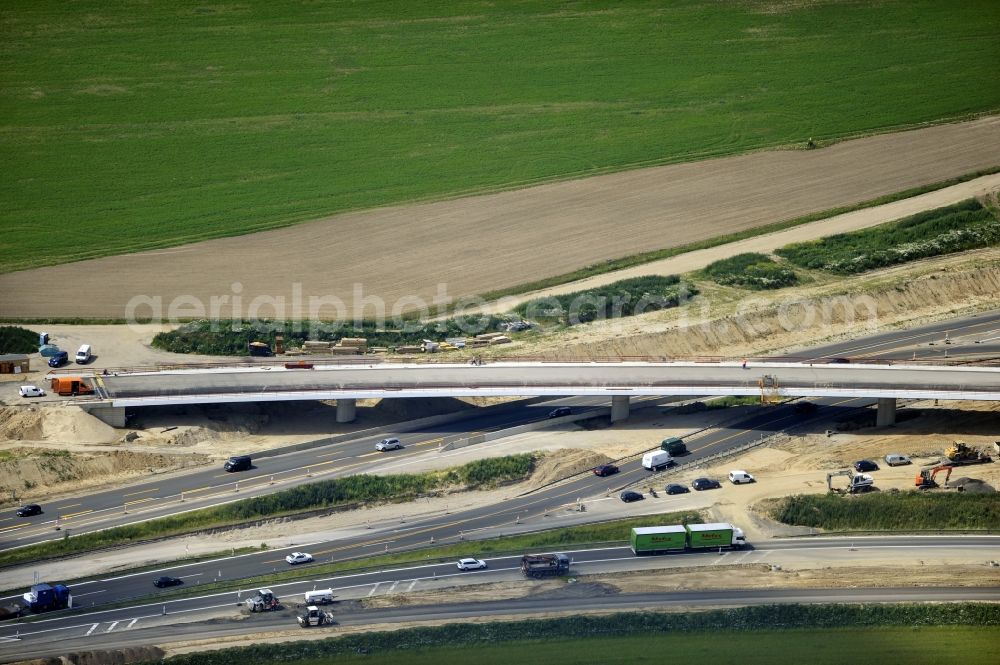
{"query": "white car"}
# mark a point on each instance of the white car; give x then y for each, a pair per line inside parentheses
(298, 557)
(31, 391)
(471, 564)
(388, 444)
(738, 477)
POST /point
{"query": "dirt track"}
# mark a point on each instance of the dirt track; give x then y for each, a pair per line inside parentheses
(487, 242)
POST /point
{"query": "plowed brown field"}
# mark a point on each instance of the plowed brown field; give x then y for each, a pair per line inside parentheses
(473, 245)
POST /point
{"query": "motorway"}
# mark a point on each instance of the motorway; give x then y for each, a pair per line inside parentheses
(155, 622)
(172, 493)
(453, 527)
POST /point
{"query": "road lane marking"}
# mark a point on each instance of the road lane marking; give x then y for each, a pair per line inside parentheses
(111, 627)
(430, 442)
(93, 628)
(410, 588)
(130, 624)
(72, 505)
(377, 452)
(6, 519)
(148, 498)
(141, 492)
(82, 512)
(392, 588)
(89, 593)
(373, 589)
(13, 526)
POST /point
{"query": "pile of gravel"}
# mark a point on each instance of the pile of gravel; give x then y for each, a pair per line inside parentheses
(972, 485)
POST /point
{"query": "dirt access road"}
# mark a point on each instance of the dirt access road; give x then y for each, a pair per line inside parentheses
(476, 244)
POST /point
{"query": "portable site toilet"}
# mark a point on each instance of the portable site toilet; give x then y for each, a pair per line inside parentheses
(43, 339)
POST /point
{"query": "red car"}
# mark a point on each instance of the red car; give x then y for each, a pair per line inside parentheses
(605, 470)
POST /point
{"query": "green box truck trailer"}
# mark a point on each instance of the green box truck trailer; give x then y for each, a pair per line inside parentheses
(684, 537)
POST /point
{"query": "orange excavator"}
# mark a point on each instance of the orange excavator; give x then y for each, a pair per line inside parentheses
(926, 479)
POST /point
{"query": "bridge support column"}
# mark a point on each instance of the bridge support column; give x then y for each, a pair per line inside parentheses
(346, 410)
(112, 415)
(619, 408)
(886, 414)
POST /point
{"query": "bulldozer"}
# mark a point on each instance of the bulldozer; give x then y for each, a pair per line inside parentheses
(263, 601)
(926, 479)
(858, 482)
(960, 454)
(315, 617)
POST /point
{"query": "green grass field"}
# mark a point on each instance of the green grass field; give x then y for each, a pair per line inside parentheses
(125, 127)
(930, 645)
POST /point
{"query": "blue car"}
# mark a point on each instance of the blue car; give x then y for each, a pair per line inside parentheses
(59, 359)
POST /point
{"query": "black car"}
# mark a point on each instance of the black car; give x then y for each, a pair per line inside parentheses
(28, 510)
(163, 582)
(674, 488)
(705, 484)
(628, 496)
(805, 408)
(560, 412)
(863, 465)
(605, 470)
(838, 361)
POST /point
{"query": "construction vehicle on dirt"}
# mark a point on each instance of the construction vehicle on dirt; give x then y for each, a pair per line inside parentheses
(926, 479)
(263, 601)
(315, 617)
(857, 482)
(960, 454)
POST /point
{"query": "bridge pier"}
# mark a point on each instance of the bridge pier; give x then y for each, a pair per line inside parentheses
(886, 414)
(346, 410)
(112, 415)
(619, 408)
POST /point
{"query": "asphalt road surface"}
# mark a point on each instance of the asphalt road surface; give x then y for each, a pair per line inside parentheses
(157, 622)
(175, 493)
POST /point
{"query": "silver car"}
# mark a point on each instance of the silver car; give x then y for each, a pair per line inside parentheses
(388, 444)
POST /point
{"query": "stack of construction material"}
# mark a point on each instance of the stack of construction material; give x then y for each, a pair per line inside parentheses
(500, 339)
(379, 349)
(310, 346)
(343, 351)
(409, 349)
(359, 343)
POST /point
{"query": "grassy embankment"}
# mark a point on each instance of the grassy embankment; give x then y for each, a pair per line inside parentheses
(917, 634)
(751, 270)
(339, 492)
(366, 105)
(890, 511)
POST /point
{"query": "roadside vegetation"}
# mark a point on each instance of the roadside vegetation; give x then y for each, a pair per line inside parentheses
(230, 338)
(751, 271)
(626, 297)
(890, 511)
(366, 108)
(956, 228)
(14, 339)
(344, 492)
(959, 632)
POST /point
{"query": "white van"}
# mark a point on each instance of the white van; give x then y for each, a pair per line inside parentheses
(739, 477)
(83, 354)
(319, 597)
(897, 459)
(656, 460)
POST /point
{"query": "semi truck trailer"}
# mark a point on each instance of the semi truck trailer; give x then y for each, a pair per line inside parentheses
(45, 597)
(686, 537)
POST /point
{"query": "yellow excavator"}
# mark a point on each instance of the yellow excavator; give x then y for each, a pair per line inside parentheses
(926, 479)
(960, 454)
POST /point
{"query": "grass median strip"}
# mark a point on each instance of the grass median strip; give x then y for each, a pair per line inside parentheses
(333, 493)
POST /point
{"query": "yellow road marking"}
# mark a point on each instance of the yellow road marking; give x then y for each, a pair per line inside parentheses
(141, 492)
(6, 519)
(72, 505)
(12, 527)
(82, 512)
(377, 452)
(309, 466)
(427, 443)
(200, 489)
(148, 498)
